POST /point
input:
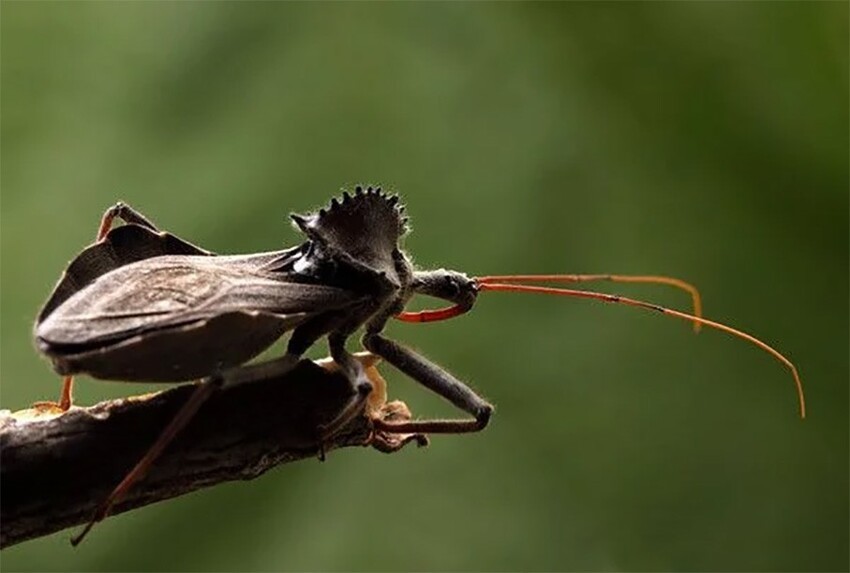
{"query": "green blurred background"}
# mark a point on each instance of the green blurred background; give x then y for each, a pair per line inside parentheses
(702, 140)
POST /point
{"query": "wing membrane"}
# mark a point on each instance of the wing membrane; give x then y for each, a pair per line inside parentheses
(172, 290)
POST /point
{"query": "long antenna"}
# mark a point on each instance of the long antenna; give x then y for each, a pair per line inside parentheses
(453, 311)
(485, 283)
(652, 279)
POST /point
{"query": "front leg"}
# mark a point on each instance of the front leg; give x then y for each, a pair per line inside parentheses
(435, 379)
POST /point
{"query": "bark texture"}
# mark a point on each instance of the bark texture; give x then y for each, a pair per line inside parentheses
(56, 469)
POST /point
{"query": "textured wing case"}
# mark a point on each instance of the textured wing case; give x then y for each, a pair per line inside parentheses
(123, 245)
(172, 317)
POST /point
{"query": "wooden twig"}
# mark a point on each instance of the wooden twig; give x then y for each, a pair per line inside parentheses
(55, 470)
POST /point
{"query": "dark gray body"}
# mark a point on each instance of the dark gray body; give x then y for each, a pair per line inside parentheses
(176, 317)
(144, 305)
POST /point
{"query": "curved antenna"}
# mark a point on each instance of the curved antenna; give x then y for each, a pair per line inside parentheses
(652, 279)
(504, 287)
(453, 311)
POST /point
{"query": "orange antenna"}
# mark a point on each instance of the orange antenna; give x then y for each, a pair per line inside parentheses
(653, 279)
(487, 283)
(453, 311)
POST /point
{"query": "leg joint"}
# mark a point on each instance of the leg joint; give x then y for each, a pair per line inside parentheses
(373, 342)
(482, 415)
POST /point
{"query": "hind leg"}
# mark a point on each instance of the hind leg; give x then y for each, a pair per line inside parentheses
(66, 398)
(126, 214)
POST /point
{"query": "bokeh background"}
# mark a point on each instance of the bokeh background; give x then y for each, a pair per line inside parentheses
(702, 140)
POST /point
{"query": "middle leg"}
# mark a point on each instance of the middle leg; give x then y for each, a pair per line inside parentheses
(360, 385)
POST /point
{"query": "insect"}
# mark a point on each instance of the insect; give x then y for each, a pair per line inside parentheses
(141, 304)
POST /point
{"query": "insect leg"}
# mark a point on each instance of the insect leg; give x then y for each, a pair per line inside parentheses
(340, 326)
(269, 369)
(183, 416)
(126, 214)
(360, 385)
(274, 368)
(303, 338)
(436, 379)
(66, 398)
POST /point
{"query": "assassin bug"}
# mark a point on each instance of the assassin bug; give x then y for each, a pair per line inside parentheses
(144, 305)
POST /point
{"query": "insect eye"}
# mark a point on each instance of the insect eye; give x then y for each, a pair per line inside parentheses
(461, 285)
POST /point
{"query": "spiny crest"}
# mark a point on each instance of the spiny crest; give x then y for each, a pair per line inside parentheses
(367, 225)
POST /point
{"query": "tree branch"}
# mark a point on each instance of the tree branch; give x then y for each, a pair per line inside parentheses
(55, 470)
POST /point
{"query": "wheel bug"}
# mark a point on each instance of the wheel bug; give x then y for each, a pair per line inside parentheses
(144, 305)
